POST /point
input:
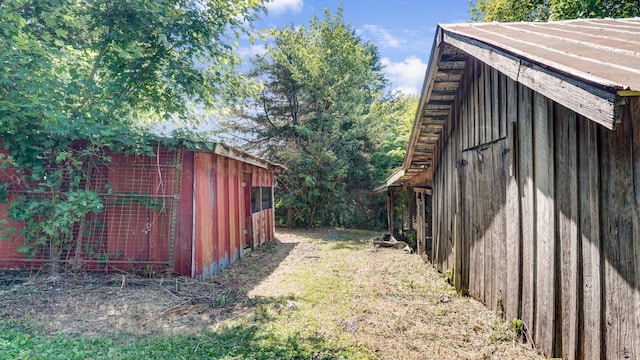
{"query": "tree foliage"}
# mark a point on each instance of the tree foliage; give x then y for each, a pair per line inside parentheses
(391, 131)
(78, 76)
(314, 115)
(543, 10)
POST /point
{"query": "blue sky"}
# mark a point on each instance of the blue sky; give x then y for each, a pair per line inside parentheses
(403, 30)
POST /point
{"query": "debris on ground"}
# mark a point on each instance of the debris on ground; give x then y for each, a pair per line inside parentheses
(389, 241)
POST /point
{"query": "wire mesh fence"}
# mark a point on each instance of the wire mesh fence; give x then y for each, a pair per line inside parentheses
(135, 230)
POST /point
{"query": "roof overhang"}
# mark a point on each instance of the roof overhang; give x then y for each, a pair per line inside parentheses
(590, 74)
(586, 94)
(239, 155)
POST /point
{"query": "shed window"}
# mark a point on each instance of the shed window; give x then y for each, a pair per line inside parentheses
(255, 199)
(266, 198)
(261, 198)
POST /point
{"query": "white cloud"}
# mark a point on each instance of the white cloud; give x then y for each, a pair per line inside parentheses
(406, 76)
(277, 7)
(381, 36)
(251, 51)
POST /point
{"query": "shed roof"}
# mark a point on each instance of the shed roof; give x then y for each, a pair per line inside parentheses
(588, 66)
(204, 143)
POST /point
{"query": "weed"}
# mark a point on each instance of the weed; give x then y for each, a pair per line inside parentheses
(518, 326)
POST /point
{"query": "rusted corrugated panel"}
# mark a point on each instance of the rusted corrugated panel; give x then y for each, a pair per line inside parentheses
(205, 246)
(182, 248)
(136, 228)
(9, 256)
(604, 51)
(245, 208)
(221, 210)
(234, 212)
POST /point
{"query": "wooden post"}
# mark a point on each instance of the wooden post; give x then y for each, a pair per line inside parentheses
(390, 215)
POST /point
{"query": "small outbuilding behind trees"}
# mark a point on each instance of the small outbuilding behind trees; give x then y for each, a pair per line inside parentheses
(192, 212)
(527, 143)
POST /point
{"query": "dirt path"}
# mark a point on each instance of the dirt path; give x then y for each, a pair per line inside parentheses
(326, 284)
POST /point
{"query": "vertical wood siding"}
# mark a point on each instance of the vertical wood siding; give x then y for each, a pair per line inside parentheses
(536, 211)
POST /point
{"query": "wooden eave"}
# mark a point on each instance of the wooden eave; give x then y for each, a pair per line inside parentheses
(439, 90)
(236, 154)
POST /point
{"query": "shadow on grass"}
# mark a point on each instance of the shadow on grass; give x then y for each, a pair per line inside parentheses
(19, 341)
(195, 306)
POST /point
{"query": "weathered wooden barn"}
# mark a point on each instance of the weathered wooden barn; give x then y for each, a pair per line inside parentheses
(527, 142)
(192, 212)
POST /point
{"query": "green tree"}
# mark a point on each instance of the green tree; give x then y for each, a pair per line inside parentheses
(314, 116)
(390, 132)
(543, 10)
(79, 76)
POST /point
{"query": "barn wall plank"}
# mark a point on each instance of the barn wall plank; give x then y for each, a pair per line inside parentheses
(499, 226)
(495, 104)
(486, 94)
(544, 224)
(464, 225)
(512, 204)
(634, 118)
(476, 105)
(617, 215)
(504, 98)
(483, 208)
(528, 218)
(566, 195)
(589, 207)
(477, 239)
(458, 241)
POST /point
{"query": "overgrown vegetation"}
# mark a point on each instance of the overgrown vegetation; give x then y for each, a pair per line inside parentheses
(80, 77)
(544, 10)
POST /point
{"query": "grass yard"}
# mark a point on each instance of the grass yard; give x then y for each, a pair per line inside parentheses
(323, 294)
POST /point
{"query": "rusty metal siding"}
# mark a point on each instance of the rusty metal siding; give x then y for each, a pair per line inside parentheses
(245, 208)
(134, 231)
(185, 211)
(141, 208)
(182, 249)
(222, 210)
(235, 230)
(9, 257)
(222, 197)
(205, 244)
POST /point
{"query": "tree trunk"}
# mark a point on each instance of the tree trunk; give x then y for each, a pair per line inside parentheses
(311, 215)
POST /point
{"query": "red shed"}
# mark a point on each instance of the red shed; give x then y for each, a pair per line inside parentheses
(192, 212)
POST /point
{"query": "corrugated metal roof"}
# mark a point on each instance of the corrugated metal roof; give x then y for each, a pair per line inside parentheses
(604, 51)
(587, 66)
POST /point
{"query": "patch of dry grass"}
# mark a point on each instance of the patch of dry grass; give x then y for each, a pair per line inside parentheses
(322, 288)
